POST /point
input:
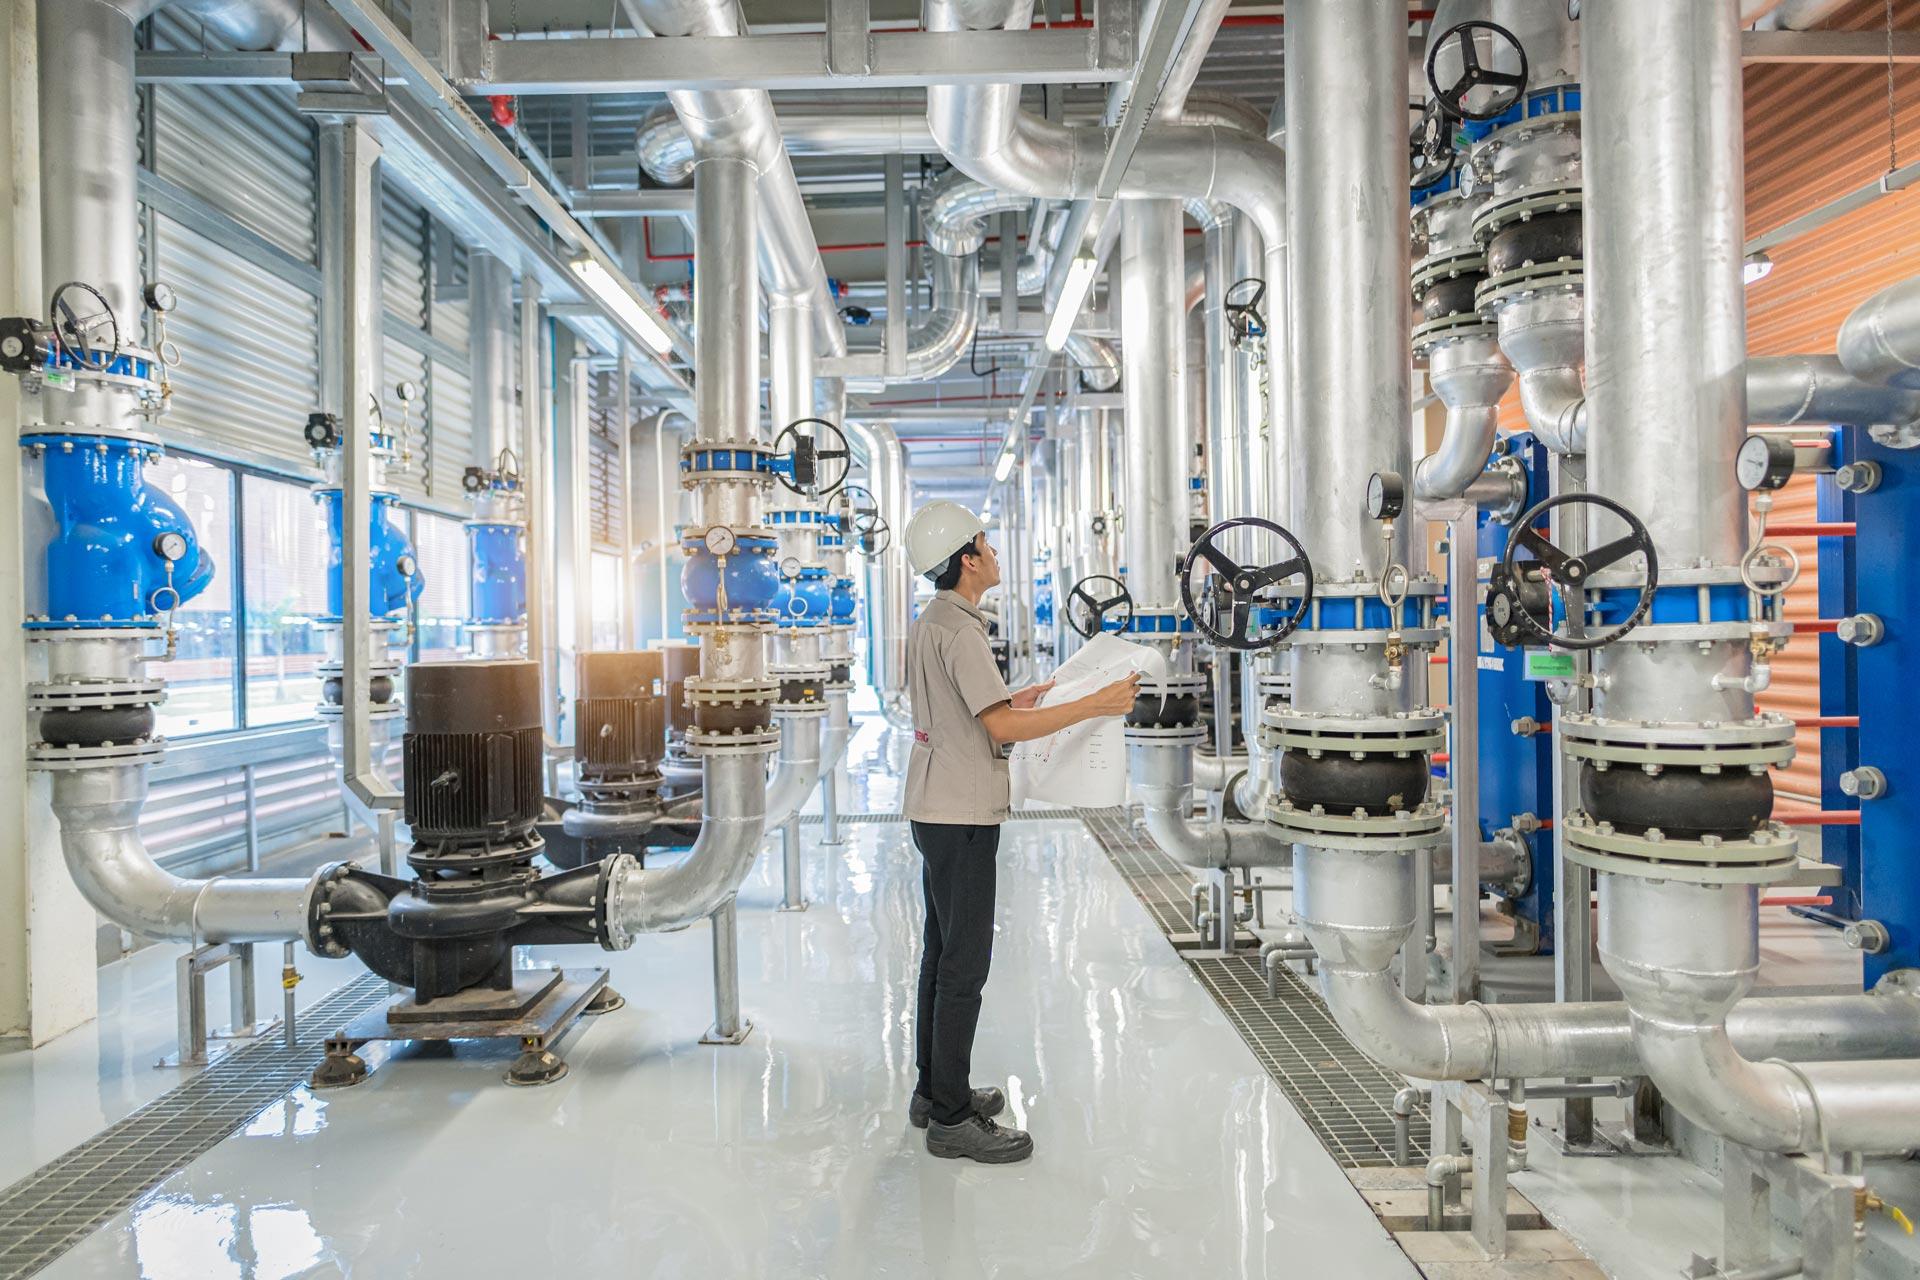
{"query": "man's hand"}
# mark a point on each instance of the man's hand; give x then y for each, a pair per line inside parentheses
(1116, 699)
(1030, 696)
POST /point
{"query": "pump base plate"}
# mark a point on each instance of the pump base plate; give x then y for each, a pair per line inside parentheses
(561, 996)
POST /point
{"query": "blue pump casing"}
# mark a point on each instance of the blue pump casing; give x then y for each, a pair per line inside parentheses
(751, 578)
(806, 600)
(843, 601)
(498, 556)
(389, 591)
(101, 518)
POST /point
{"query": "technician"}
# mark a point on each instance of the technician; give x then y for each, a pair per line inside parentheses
(963, 714)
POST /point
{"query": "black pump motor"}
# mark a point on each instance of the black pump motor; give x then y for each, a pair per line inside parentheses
(472, 763)
(472, 776)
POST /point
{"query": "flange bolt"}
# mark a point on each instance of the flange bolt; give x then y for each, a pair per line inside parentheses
(1858, 477)
(1864, 783)
(1861, 630)
(1869, 936)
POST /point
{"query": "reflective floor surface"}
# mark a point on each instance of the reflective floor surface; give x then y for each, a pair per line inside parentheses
(1163, 1150)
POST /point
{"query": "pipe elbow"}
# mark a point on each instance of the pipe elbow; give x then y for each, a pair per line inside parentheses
(1554, 400)
(1431, 1042)
(641, 899)
(1880, 341)
(1762, 1105)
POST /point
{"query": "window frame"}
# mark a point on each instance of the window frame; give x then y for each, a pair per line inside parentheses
(235, 550)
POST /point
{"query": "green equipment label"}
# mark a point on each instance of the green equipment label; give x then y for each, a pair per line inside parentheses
(1543, 664)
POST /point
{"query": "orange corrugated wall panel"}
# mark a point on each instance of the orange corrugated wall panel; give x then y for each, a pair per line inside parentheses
(1815, 133)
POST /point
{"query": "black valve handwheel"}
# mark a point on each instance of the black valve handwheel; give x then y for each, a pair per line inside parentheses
(875, 540)
(1242, 305)
(1432, 156)
(75, 322)
(1222, 608)
(1475, 75)
(1095, 608)
(1561, 572)
(855, 507)
(807, 455)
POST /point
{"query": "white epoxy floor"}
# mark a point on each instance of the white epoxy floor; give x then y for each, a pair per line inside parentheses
(1163, 1149)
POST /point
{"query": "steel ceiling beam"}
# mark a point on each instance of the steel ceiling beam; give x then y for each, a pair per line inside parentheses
(895, 59)
(1828, 46)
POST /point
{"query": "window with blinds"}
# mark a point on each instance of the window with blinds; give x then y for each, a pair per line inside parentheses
(606, 487)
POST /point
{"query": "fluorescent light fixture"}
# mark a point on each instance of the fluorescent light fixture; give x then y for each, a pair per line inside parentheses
(1004, 467)
(615, 294)
(1073, 296)
(1757, 267)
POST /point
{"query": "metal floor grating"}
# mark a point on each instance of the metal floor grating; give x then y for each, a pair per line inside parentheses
(59, 1204)
(1163, 886)
(1341, 1093)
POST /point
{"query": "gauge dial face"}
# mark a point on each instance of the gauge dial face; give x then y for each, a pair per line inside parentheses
(1763, 463)
(162, 297)
(721, 540)
(1500, 608)
(171, 547)
(790, 567)
(1384, 496)
(406, 566)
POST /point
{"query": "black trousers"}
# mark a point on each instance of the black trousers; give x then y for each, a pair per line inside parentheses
(957, 874)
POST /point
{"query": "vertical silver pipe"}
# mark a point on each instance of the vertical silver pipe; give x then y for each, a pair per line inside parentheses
(536, 463)
(728, 1026)
(359, 153)
(1152, 280)
(1090, 454)
(1666, 318)
(88, 159)
(726, 317)
(490, 294)
(1346, 217)
(1463, 760)
(793, 892)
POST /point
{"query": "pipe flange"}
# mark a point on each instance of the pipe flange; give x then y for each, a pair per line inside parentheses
(737, 622)
(703, 744)
(1450, 265)
(741, 461)
(801, 710)
(69, 695)
(1319, 733)
(1429, 335)
(1525, 282)
(1765, 729)
(1181, 735)
(800, 670)
(713, 691)
(1769, 856)
(1401, 832)
(1417, 586)
(1523, 204)
(1512, 135)
(1173, 686)
(326, 881)
(51, 758)
(610, 900)
(1274, 684)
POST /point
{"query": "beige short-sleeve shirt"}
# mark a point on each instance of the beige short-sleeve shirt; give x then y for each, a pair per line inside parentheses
(956, 773)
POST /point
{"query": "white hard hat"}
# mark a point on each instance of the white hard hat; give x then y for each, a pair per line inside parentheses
(936, 531)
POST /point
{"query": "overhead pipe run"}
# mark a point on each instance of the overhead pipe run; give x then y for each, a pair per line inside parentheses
(891, 124)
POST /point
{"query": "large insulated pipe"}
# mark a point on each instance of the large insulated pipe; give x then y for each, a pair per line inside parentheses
(984, 131)
(1669, 345)
(1880, 340)
(741, 122)
(1345, 84)
(1667, 316)
(1162, 779)
(891, 123)
(732, 820)
(1154, 351)
(1788, 389)
(890, 590)
(490, 291)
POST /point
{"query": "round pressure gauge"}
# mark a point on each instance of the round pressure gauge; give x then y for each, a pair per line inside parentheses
(721, 541)
(161, 297)
(1764, 462)
(1386, 496)
(407, 566)
(790, 567)
(406, 392)
(171, 547)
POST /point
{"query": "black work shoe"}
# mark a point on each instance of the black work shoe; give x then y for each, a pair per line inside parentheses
(986, 1102)
(978, 1138)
